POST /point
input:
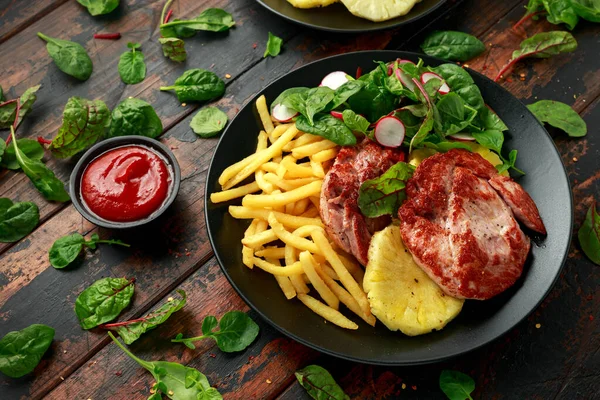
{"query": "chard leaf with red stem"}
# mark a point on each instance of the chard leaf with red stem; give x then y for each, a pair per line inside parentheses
(385, 194)
(103, 301)
(589, 235)
(319, 384)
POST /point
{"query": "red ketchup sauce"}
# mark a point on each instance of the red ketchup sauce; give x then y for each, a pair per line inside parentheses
(126, 184)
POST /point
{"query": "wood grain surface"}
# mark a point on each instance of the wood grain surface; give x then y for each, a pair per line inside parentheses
(560, 359)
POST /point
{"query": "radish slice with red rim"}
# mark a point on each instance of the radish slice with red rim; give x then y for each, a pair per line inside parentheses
(462, 137)
(427, 76)
(283, 114)
(405, 79)
(337, 114)
(400, 62)
(334, 80)
(389, 132)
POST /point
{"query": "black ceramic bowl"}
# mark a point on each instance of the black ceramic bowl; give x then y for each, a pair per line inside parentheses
(337, 18)
(110, 144)
(480, 321)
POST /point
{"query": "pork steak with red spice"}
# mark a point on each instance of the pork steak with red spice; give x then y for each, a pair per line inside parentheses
(460, 224)
(344, 223)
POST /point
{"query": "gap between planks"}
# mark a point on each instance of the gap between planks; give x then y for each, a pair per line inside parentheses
(33, 18)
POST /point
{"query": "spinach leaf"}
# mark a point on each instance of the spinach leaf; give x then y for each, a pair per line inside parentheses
(17, 220)
(310, 102)
(2, 149)
(103, 301)
(273, 46)
(8, 110)
(589, 235)
(174, 49)
(135, 117)
(211, 19)
(70, 57)
(174, 380)
(452, 45)
(541, 45)
(2, 98)
(587, 9)
(424, 129)
(130, 331)
(319, 384)
(41, 176)
(462, 84)
(31, 148)
(355, 122)
(197, 85)
(329, 127)
(559, 115)
(344, 92)
(99, 7)
(456, 385)
(84, 122)
(374, 100)
(208, 122)
(491, 139)
(454, 115)
(385, 194)
(66, 249)
(509, 163)
(236, 332)
(490, 120)
(21, 351)
(411, 122)
(131, 65)
(285, 94)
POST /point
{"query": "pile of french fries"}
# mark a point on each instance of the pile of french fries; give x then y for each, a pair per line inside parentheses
(288, 168)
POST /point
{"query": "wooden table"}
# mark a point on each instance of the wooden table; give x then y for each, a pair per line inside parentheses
(553, 354)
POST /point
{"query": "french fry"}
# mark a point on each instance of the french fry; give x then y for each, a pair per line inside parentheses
(305, 138)
(291, 239)
(247, 252)
(276, 253)
(289, 221)
(265, 115)
(278, 131)
(294, 170)
(259, 175)
(261, 226)
(289, 208)
(259, 239)
(308, 265)
(338, 266)
(297, 281)
(274, 200)
(331, 315)
(279, 208)
(269, 167)
(317, 169)
(288, 184)
(324, 267)
(311, 213)
(301, 206)
(284, 282)
(226, 195)
(312, 148)
(288, 270)
(307, 230)
(325, 155)
(316, 202)
(354, 268)
(234, 169)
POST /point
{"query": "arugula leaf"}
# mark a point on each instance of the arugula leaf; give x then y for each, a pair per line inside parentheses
(197, 85)
(9, 109)
(208, 122)
(130, 331)
(99, 7)
(211, 19)
(452, 45)
(31, 148)
(174, 49)
(21, 351)
(273, 46)
(175, 380)
(456, 385)
(385, 194)
(329, 127)
(589, 235)
(355, 122)
(17, 220)
(491, 139)
(84, 122)
(70, 57)
(236, 332)
(587, 9)
(66, 249)
(319, 384)
(103, 301)
(309, 102)
(135, 117)
(559, 115)
(41, 176)
(132, 68)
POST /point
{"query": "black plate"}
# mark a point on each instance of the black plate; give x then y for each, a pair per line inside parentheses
(337, 18)
(479, 322)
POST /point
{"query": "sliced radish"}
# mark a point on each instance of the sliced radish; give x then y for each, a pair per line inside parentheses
(390, 69)
(283, 114)
(405, 79)
(335, 79)
(337, 114)
(427, 76)
(389, 132)
(462, 137)
(400, 62)
(423, 91)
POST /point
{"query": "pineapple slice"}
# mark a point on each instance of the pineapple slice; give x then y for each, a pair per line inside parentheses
(401, 295)
(311, 3)
(417, 156)
(379, 10)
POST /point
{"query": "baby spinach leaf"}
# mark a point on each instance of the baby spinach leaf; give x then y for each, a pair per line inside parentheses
(454, 115)
(310, 102)
(589, 235)
(66, 249)
(84, 122)
(319, 384)
(31, 148)
(491, 139)
(2, 149)
(557, 12)
(587, 9)
(2, 98)
(559, 115)
(343, 93)
(236, 332)
(131, 65)
(285, 94)
(41, 176)
(17, 220)
(424, 129)
(456, 385)
(99, 7)
(174, 49)
(8, 110)
(135, 117)
(385, 194)
(130, 331)
(21, 351)
(211, 19)
(374, 100)
(509, 163)
(174, 380)
(197, 85)
(208, 122)
(355, 122)
(103, 301)
(411, 122)
(462, 84)
(452, 45)
(329, 127)
(273, 46)
(70, 57)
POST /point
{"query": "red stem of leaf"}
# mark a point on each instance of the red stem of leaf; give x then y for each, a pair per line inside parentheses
(358, 72)
(124, 323)
(43, 141)
(526, 18)
(108, 36)
(168, 16)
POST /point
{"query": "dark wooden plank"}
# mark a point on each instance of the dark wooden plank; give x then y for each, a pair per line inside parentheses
(16, 15)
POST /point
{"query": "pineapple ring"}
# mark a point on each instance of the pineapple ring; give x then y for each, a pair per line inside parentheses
(379, 10)
(311, 3)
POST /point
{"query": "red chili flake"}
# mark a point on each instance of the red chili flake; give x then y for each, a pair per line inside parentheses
(250, 358)
(107, 36)
(168, 17)
(358, 72)
(188, 253)
(509, 80)
(118, 373)
(591, 317)
(212, 355)
(413, 387)
(43, 141)
(255, 45)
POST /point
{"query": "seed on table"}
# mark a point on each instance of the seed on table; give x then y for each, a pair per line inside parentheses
(538, 326)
